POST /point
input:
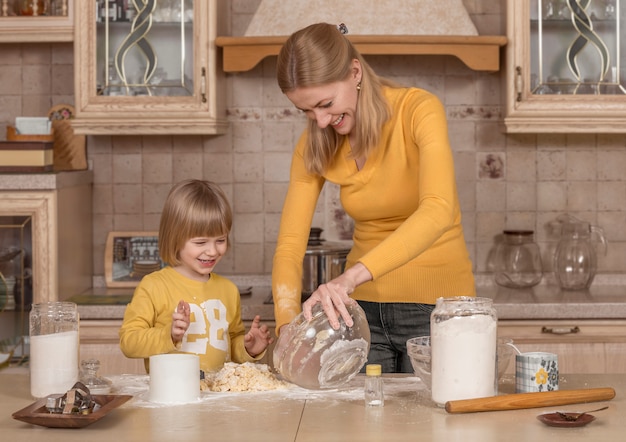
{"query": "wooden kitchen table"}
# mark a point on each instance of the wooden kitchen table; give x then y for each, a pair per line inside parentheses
(301, 415)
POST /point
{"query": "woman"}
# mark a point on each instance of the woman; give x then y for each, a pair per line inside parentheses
(387, 148)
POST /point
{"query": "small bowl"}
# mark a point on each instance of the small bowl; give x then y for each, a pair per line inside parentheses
(313, 355)
(418, 350)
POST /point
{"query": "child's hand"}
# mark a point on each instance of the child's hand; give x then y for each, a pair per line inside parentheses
(180, 321)
(258, 338)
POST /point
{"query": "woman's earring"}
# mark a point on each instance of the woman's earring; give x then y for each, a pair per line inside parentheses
(358, 86)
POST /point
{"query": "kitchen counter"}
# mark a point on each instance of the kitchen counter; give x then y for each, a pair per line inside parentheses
(101, 303)
(606, 299)
(45, 181)
(336, 415)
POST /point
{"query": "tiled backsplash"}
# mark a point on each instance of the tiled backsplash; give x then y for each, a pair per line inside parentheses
(504, 181)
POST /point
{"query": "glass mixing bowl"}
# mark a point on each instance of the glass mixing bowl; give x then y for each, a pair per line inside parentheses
(418, 350)
(313, 355)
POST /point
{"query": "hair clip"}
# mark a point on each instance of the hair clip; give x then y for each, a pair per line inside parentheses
(342, 28)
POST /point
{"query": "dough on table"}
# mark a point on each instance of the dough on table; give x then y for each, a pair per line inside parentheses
(241, 377)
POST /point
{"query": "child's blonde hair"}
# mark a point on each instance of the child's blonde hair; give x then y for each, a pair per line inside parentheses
(193, 208)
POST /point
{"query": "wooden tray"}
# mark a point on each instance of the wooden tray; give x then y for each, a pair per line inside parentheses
(37, 413)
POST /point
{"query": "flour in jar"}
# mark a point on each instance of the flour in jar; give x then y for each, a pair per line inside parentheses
(463, 358)
(242, 377)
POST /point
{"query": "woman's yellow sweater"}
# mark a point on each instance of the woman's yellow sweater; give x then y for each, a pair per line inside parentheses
(404, 205)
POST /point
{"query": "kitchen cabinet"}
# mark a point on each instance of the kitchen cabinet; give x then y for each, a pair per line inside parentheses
(148, 69)
(99, 339)
(55, 25)
(59, 206)
(565, 67)
(582, 346)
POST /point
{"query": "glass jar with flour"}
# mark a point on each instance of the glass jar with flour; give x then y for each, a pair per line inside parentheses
(53, 348)
(463, 333)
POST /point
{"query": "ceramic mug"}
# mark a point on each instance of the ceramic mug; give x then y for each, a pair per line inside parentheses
(536, 372)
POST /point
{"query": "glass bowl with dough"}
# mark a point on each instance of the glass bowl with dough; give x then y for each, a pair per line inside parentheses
(313, 355)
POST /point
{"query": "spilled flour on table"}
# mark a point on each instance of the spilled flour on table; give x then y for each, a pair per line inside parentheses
(394, 387)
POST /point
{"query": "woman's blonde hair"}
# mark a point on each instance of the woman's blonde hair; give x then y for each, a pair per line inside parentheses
(320, 54)
(193, 208)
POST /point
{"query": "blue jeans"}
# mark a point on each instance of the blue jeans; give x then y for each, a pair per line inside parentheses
(391, 324)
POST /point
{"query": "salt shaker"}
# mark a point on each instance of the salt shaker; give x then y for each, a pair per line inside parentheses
(53, 348)
(463, 336)
(374, 396)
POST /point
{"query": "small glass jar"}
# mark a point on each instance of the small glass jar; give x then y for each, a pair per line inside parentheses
(518, 260)
(463, 336)
(373, 391)
(53, 348)
(90, 378)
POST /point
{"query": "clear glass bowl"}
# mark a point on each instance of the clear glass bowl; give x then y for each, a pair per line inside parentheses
(313, 355)
(418, 350)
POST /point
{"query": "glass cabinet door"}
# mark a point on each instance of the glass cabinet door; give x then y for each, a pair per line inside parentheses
(566, 68)
(146, 66)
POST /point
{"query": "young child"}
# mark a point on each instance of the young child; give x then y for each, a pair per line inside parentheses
(185, 307)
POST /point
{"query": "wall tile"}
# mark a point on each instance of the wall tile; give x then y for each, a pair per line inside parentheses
(581, 165)
(611, 164)
(153, 197)
(248, 228)
(521, 165)
(186, 166)
(521, 196)
(127, 199)
(551, 165)
(551, 195)
(247, 137)
(218, 167)
(10, 80)
(36, 79)
(274, 195)
(490, 196)
(581, 196)
(277, 167)
(157, 167)
(127, 168)
(102, 199)
(249, 258)
(612, 196)
(248, 198)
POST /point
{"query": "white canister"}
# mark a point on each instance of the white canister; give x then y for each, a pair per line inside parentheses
(174, 378)
(53, 348)
(463, 345)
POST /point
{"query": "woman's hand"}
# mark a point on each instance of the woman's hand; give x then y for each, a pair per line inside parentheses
(258, 338)
(334, 295)
(180, 322)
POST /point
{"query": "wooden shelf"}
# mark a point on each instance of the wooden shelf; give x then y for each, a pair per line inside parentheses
(480, 53)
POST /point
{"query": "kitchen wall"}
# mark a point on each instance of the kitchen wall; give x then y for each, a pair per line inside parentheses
(504, 181)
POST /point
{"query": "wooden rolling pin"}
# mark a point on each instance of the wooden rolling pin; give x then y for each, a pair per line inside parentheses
(530, 400)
